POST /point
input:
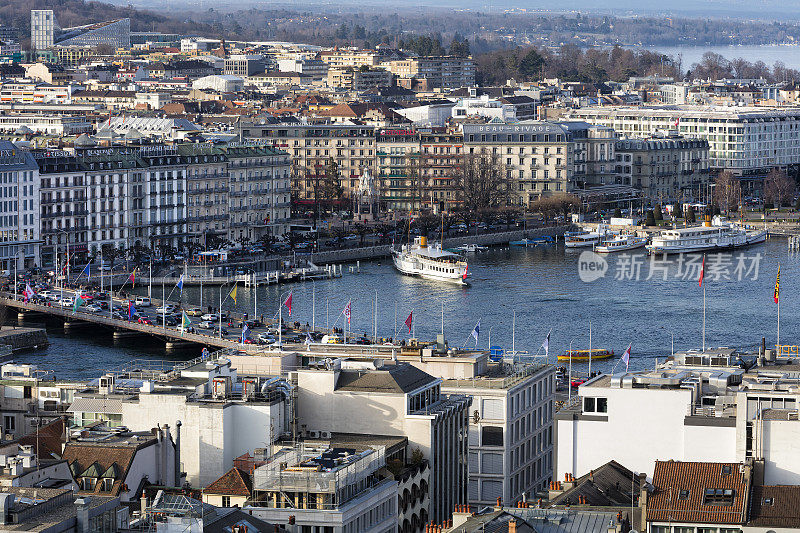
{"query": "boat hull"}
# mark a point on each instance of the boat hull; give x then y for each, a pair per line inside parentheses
(580, 358)
(411, 267)
(620, 248)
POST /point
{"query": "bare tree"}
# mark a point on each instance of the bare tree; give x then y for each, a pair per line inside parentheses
(482, 182)
(727, 190)
(559, 203)
(778, 187)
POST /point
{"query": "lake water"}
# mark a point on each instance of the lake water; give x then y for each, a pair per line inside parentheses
(541, 285)
(769, 54)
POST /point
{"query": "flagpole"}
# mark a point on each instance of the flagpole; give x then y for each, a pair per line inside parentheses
(704, 318)
(327, 329)
(280, 320)
(513, 337)
(375, 333)
(101, 269)
(569, 375)
(313, 306)
(590, 347)
(149, 280)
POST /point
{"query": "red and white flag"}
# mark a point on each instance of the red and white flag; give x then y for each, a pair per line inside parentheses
(28, 292)
(410, 320)
(288, 303)
(703, 270)
(347, 311)
(466, 268)
(627, 357)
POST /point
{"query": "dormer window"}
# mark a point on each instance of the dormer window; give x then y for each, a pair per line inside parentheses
(88, 483)
(726, 470)
(719, 496)
(683, 495)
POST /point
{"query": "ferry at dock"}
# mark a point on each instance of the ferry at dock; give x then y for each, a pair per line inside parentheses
(620, 243)
(720, 235)
(585, 239)
(430, 262)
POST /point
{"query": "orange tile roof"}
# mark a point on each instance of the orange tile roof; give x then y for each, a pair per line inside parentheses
(671, 477)
(775, 506)
(234, 482)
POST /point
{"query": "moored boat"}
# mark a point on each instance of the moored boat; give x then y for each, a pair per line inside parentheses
(721, 235)
(583, 355)
(430, 262)
(620, 243)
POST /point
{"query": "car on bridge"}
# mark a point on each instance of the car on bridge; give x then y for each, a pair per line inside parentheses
(211, 317)
(194, 311)
(145, 320)
(92, 308)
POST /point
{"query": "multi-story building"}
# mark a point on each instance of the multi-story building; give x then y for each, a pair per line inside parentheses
(260, 192)
(62, 206)
(312, 146)
(55, 125)
(350, 58)
(43, 28)
(511, 431)
(108, 175)
(335, 489)
(441, 158)
(397, 399)
(214, 423)
(243, 65)
(593, 161)
(428, 73)
(165, 190)
(26, 92)
(747, 141)
(664, 169)
(358, 79)
(20, 244)
(402, 184)
(537, 158)
(316, 68)
(207, 192)
(701, 407)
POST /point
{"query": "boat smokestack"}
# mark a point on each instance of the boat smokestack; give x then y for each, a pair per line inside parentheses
(423, 242)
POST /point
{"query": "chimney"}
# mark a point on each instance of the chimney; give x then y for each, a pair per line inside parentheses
(461, 515)
(642, 498)
(512, 526)
(178, 453)
(499, 504)
(82, 510)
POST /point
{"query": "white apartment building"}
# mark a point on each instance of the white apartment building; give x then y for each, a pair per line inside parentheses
(217, 415)
(165, 187)
(748, 141)
(510, 431)
(30, 92)
(50, 124)
(395, 400)
(704, 407)
(20, 244)
(483, 106)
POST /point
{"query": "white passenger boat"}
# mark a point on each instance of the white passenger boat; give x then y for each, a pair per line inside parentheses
(585, 239)
(721, 235)
(472, 248)
(431, 262)
(620, 243)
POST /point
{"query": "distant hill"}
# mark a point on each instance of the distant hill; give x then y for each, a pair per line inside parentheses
(16, 13)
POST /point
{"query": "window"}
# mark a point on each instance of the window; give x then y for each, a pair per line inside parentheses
(588, 405)
(769, 501)
(491, 436)
(719, 496)
(602, 405)
(9, 423)
(726, 469)
(683, 495)
(226, 501)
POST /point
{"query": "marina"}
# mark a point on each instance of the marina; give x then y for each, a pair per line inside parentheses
(541, 284)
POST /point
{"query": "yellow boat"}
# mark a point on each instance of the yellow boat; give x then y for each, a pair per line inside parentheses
(583, 355)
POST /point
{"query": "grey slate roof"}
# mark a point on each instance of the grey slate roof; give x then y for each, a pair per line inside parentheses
(608, 485)
(397, 378)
